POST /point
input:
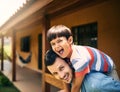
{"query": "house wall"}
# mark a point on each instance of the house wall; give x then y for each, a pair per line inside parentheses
(107, 15)
(33, 33)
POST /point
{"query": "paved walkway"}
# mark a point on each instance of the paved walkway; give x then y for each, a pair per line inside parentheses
(26, 80)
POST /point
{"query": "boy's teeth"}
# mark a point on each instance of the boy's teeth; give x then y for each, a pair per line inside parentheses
(61, 51)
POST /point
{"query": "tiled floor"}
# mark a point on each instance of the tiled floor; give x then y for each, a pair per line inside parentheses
(26, 80)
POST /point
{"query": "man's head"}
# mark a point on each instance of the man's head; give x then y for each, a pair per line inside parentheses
(60, 39)
(58, 67)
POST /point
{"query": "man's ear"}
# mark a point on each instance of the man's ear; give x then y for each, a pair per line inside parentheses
(70, 40)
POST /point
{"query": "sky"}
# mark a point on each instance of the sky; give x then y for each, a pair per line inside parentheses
(8, 8)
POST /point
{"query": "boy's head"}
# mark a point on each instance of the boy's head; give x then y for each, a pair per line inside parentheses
(58, 31)
(60, 39)
(58, 67)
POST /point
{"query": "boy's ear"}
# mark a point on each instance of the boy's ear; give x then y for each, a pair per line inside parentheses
(70, 40)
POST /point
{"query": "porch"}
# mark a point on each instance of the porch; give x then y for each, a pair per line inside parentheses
(26, 80)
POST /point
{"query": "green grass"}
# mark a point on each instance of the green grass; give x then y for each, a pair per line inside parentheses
(6, 85)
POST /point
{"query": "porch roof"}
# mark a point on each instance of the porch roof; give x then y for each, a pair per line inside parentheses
(37, 9)
(29, 8)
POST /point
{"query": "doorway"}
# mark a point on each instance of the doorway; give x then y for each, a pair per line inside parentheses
(40, 51)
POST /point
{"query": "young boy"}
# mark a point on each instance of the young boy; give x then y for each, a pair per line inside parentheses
(93, 82)
(84, 59)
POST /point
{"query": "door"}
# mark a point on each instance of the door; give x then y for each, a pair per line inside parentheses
(40, 51)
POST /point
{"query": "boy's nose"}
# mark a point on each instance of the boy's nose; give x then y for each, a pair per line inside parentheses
(57, 45)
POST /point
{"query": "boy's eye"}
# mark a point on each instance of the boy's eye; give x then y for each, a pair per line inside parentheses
(52, 44)
(58, 41)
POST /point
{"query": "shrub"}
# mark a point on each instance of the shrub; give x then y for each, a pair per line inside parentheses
(4, 81)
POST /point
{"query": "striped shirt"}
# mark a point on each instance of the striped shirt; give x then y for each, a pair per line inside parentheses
(86, 59)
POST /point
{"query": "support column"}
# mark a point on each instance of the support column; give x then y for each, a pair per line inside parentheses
(2, 53)
(13, 56)
(46, 25)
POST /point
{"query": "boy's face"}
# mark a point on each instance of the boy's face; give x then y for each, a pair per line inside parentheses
(62, 46)
(61, 70)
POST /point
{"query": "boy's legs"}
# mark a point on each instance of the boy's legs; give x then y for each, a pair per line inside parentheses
(98, 82)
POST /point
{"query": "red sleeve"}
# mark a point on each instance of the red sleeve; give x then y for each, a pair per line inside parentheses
(83, 72)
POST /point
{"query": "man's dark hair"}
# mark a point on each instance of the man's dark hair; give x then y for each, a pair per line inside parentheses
(58, 31)
(50, 57)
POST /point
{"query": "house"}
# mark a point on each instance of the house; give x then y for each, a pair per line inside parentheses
(28, 28)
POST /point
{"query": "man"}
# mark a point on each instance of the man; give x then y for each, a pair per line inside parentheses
(93, 81)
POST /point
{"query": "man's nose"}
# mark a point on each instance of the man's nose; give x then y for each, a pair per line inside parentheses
(61, 75)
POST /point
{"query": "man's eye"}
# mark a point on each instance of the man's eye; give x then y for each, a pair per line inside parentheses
(55, 73)
(61, 68)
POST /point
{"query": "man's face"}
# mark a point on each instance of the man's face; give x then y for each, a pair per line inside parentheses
(62, 46)
(61, 70)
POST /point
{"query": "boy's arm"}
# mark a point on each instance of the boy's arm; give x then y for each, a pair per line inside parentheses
(76, 84)
(78, 79)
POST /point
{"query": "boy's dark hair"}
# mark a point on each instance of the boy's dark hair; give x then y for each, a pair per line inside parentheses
(58, 31)
(50, 57)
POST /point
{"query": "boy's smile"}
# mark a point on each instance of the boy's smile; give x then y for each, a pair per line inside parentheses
(61, 46)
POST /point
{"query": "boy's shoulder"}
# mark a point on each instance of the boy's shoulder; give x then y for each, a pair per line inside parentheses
(79, 51)
(79, 48)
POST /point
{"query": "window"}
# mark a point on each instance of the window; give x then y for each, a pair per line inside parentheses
(25, 44)
(85, 34)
